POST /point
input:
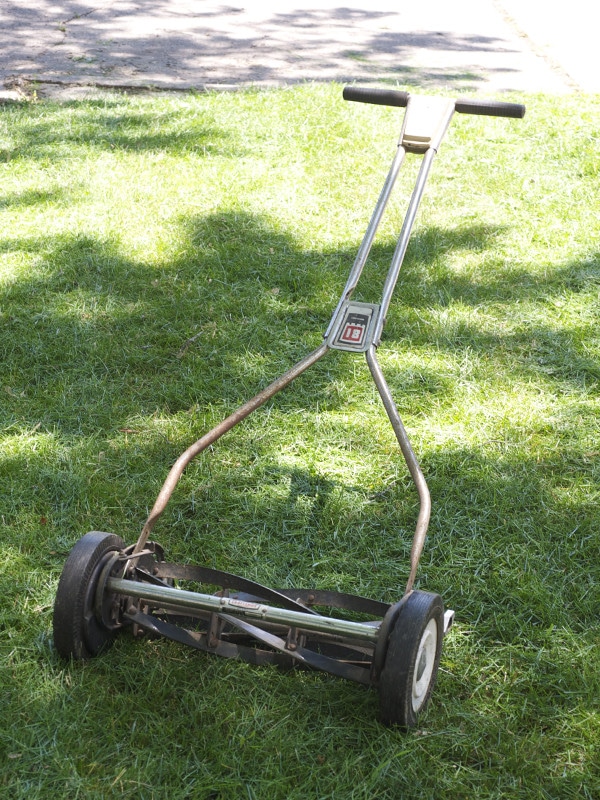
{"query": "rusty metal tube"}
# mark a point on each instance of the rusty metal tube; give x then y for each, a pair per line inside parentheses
(411, 463)
(209, 438)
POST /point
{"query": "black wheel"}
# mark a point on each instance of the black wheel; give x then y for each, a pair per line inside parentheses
(78, 632)
(412, 659)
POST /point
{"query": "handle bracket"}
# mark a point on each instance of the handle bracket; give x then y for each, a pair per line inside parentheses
(425, 122)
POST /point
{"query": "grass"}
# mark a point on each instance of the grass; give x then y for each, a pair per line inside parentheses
(162, 258)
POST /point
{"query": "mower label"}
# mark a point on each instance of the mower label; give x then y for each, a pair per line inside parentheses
(354, 327)
(246, 604)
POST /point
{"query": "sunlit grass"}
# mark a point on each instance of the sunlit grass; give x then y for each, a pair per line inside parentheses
(161, 259)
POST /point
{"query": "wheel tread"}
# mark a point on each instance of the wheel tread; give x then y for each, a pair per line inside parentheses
(395, 682)
(71, 618)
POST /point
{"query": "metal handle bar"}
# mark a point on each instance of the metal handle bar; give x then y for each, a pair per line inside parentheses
(394, 97)
(425, 124)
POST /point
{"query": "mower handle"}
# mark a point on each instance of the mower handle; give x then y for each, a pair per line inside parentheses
(394, 97)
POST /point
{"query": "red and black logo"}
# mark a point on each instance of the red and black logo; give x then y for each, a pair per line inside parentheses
(354, 329)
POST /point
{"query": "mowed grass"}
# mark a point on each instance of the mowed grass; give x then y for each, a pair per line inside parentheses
(164, 257)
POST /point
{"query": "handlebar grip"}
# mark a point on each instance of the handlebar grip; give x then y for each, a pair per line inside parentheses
(490, 108)
(380, 97)
(394, 97)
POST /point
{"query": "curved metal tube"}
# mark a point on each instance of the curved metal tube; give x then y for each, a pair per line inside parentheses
(195, 449)
(411, 463)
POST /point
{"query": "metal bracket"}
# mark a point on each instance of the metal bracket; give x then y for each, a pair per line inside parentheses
(425, 122)
(354, 326)
(448, 620)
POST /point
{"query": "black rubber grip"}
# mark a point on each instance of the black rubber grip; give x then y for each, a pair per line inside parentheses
(490, 108)
(381, 97)
(393, 97)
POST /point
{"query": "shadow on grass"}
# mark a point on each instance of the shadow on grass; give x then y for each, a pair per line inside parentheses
(97, 345)
(239, 305)
(92, 337)
(104, 383)
(59, 131)
(498, 282)
(32, 197)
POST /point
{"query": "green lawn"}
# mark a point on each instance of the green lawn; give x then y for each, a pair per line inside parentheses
(164, 257)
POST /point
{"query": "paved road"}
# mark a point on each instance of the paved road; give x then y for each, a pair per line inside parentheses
(481, 45)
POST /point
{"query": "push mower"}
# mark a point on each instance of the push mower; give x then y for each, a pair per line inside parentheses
(107, 586)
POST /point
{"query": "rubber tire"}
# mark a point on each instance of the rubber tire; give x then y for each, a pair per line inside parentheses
(412, 659)
(77, 633)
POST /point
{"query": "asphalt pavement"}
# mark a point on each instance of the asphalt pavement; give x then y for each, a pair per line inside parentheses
(486, 46)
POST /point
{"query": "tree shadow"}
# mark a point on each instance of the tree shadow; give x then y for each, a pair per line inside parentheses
(115, 127)
(92, 348)
(31, 197)
(96, 342)
(236, 46)
(242, 302)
